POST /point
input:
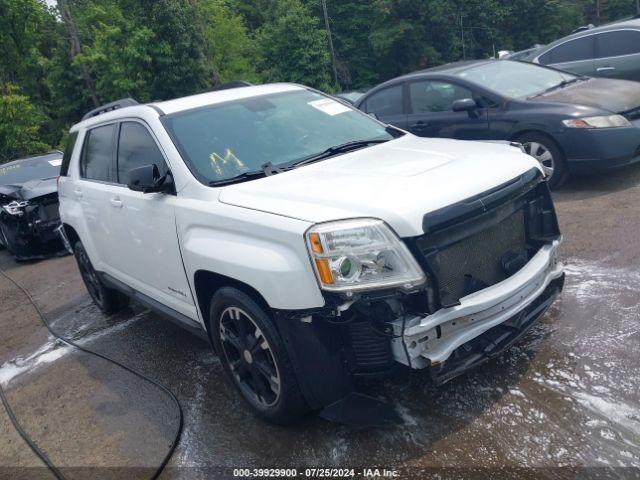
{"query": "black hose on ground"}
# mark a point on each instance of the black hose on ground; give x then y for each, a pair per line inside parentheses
(32, 445)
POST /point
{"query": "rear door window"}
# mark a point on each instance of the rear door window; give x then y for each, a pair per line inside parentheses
(97, 155)
(137, 148)
(386, 102)
(572, 51)
(618, 43)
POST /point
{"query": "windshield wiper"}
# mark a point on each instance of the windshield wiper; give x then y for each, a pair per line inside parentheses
(335, 150)
(266, 170)
(562, 84)
(251, 174)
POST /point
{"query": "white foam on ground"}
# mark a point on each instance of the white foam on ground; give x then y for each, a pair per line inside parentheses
(50, 352)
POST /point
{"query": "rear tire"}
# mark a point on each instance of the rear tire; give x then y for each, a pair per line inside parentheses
(544, 149)
(107, 299)
(254, 357)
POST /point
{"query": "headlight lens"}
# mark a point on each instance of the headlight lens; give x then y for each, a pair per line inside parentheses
(16, 207)
(605, 121)
(355, 255)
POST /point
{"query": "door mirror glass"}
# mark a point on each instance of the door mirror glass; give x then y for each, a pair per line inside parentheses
(147, 179)
(464, 105)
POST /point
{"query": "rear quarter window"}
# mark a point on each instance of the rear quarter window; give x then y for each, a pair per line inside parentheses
(68, 151)
(618, 43)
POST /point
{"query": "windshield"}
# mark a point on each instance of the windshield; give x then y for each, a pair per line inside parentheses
(514, 79)
(36, 168)
(223, 141)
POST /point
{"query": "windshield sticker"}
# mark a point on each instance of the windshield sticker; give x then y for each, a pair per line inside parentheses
(9, 169)
(330, 107)
(56, 163)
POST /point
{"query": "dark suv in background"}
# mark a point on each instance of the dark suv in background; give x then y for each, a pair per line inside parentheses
(611, 50)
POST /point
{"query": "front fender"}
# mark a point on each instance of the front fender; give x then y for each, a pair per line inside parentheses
(274, 263)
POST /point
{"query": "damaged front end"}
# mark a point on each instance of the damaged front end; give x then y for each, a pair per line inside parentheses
(28, 222)
(491, 272)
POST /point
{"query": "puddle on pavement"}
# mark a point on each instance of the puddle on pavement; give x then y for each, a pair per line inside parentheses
(80, 409)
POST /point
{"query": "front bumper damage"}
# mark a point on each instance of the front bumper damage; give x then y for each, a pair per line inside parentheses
(32, 235)
(492, 269)
(451, 334)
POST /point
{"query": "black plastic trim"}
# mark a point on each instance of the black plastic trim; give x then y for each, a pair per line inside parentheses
(108, 107)
(171, 314)
(482, 202)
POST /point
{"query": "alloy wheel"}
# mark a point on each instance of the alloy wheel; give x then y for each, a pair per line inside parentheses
(542, 154)
(249, 357)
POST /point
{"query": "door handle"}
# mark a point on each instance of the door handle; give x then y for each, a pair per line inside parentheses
(605, 69)
(116, 202)
(77, 192)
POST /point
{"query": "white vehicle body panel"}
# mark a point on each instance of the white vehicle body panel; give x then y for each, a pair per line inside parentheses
(398, 182)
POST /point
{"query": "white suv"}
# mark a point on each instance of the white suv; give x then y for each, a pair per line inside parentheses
(310, 243)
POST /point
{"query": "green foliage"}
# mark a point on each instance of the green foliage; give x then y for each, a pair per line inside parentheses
(229, 51)
(20, 124)
(293, 46)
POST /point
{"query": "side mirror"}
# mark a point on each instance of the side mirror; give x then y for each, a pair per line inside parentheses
(464, 105)
(147, 179)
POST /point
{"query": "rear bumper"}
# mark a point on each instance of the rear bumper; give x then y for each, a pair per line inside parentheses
(432, 340)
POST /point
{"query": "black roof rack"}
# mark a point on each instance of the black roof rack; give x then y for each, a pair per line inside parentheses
(233, 84)
(109, 107)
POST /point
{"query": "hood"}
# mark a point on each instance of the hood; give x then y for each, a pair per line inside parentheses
(613, 95)
(29, 190)
(398, 181)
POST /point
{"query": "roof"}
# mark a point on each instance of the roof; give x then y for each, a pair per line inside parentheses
(448, 68)
(210, 98)
(628, 23)
(186, 103)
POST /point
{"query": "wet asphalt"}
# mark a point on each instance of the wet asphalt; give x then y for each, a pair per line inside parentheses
(566, 397)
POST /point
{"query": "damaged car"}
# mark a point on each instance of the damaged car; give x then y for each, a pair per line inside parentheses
(29, 206)
(313, 245)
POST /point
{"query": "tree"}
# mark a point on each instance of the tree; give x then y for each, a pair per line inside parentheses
(293, 46)
(229, 51)
(20, 124)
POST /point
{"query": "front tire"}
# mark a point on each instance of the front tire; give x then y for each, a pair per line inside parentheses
(548, 153)
(108, 300)
(254, 357)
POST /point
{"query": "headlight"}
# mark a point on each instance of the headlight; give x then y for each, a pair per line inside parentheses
(605, 121)
(354, 255)
(15, 207)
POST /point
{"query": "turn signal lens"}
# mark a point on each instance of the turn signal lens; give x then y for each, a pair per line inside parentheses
(316, 245)
(324, 272)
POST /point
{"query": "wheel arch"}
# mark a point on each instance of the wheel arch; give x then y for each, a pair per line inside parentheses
(207, 283)
(71, 234)
(521, 132)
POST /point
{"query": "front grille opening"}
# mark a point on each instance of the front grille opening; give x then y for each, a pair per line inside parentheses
(478, 261)
(469, 254)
